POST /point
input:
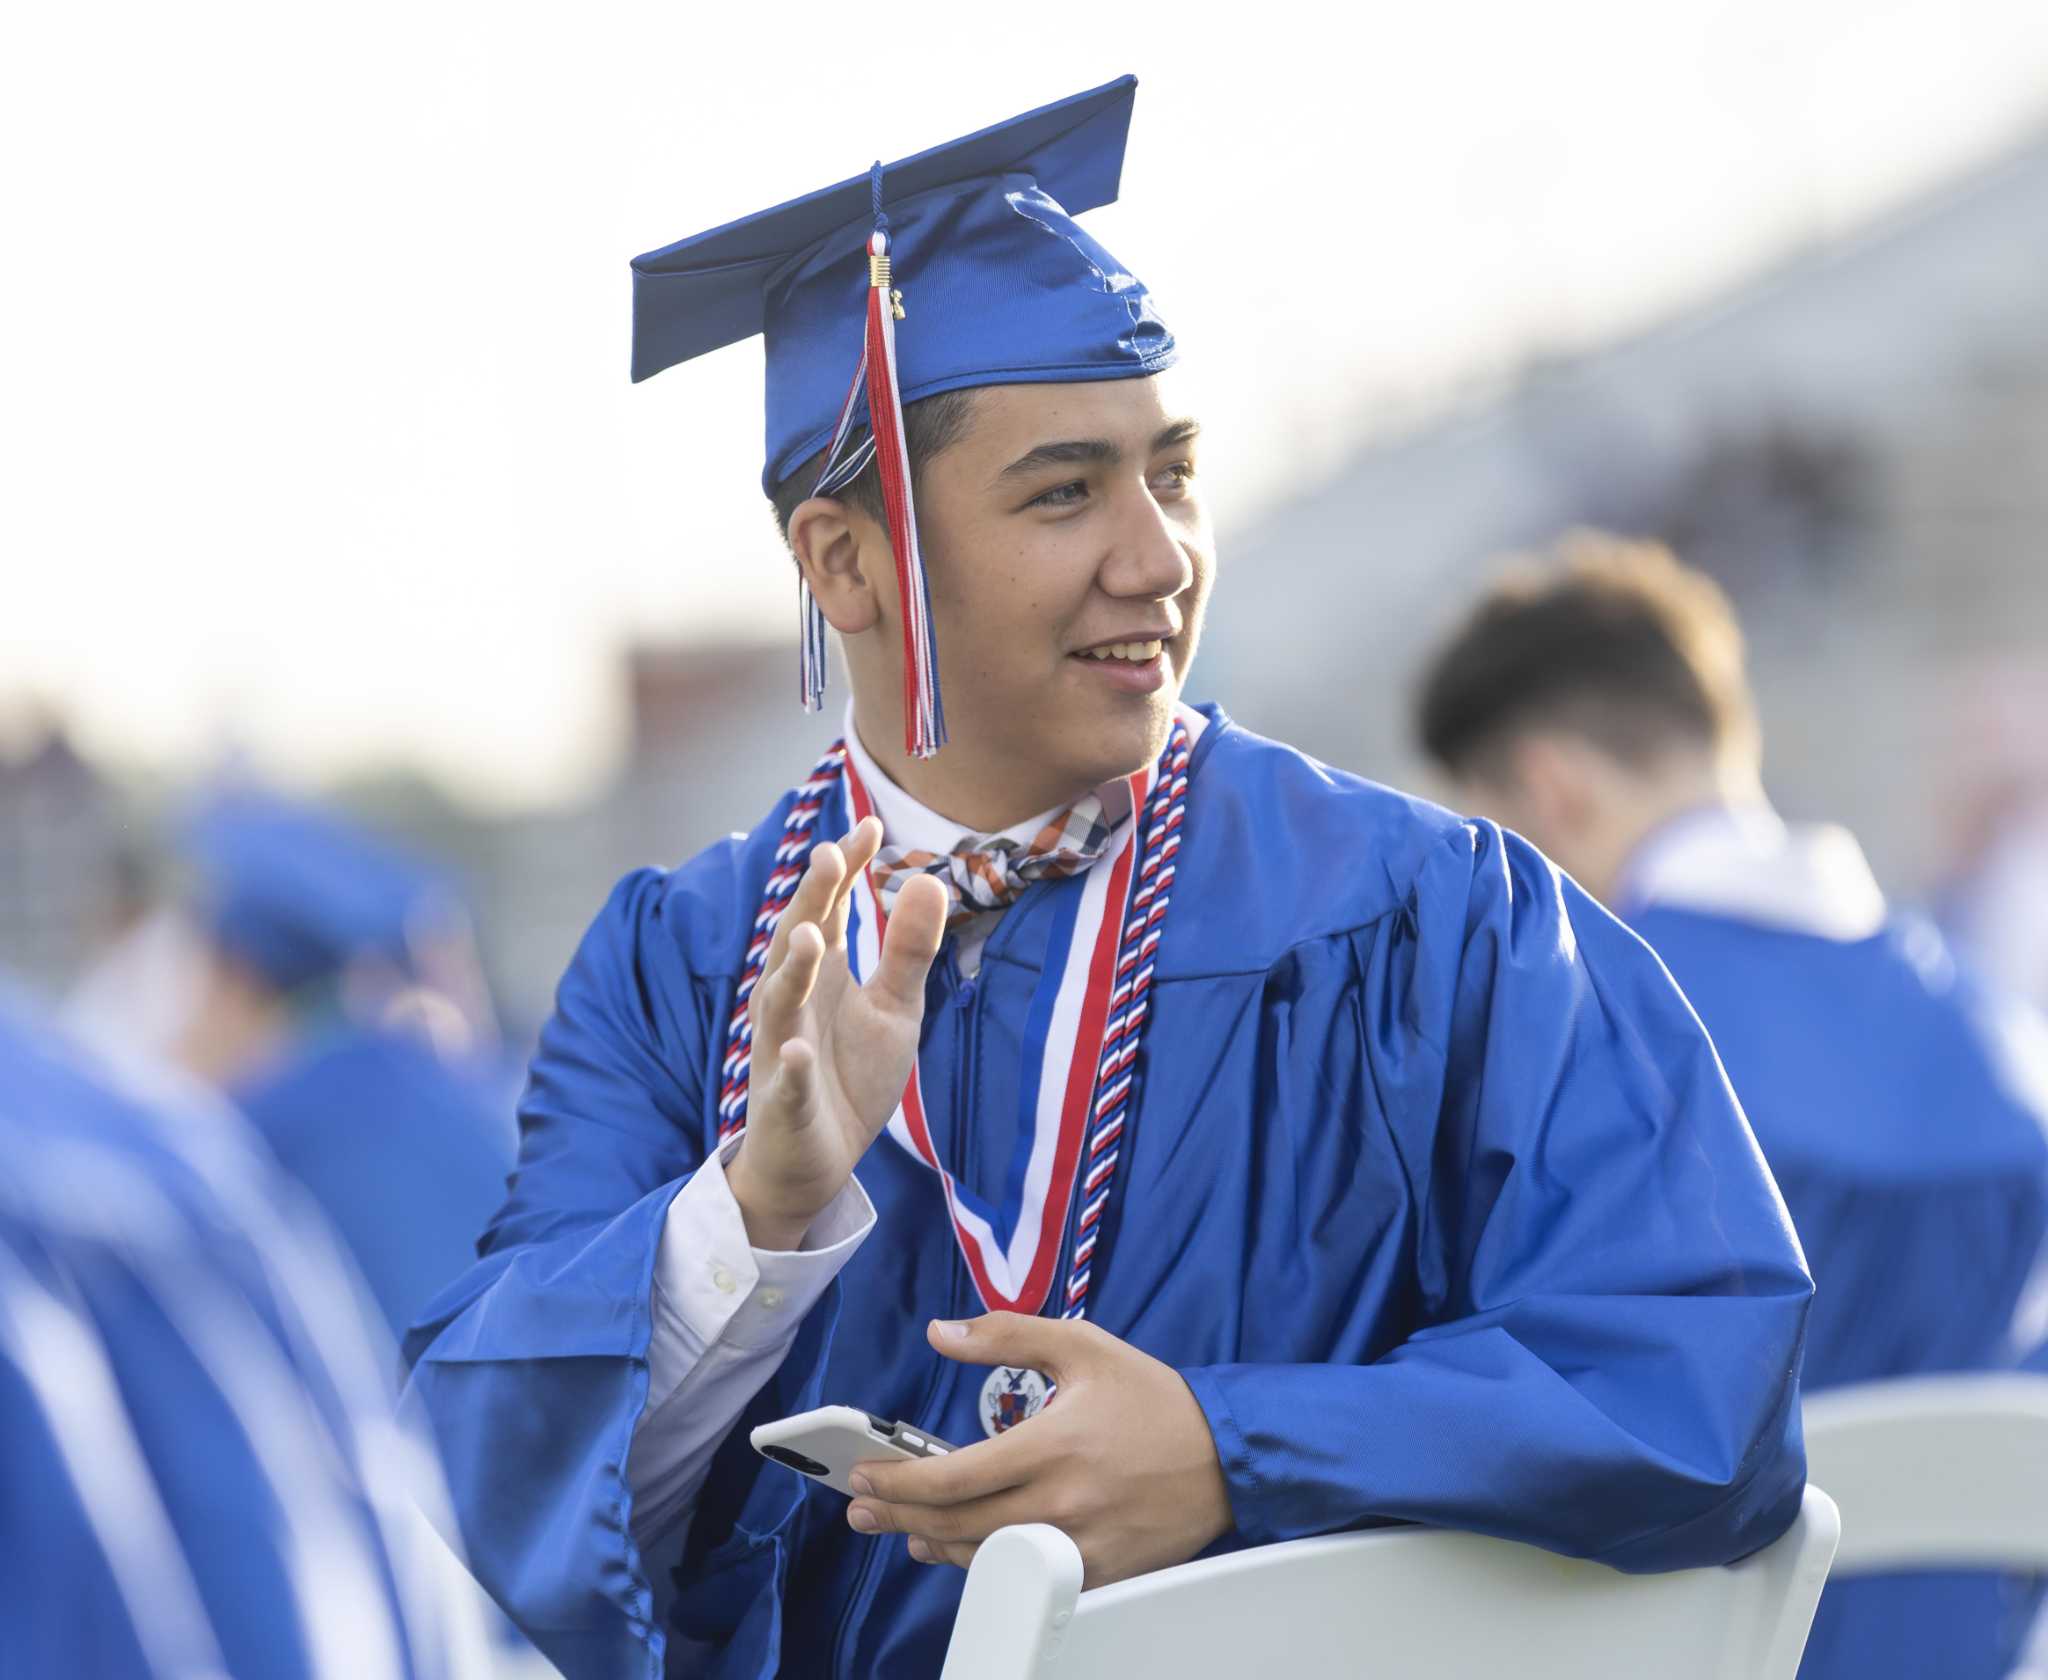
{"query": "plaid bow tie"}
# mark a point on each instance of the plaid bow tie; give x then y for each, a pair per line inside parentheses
(985, 872)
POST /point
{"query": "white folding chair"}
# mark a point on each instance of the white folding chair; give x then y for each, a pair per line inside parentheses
(1389, 1604)
(1935, 1472)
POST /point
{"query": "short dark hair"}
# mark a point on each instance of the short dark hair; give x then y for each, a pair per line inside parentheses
(930, 424)
(1611, 639)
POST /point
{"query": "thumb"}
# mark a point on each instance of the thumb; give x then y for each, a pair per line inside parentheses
(1058, 1347)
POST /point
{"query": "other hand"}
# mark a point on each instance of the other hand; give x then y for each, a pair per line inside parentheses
(1121, 1460)
(830, 1058)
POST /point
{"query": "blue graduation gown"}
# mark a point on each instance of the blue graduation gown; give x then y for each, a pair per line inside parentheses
(1916, 1173)
(143, 1322)
(1435, 1192)
(407, 1156)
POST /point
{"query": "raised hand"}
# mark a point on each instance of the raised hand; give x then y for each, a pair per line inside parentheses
(830, 1057)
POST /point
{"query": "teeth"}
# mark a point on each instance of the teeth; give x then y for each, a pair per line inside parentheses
(1138, 652)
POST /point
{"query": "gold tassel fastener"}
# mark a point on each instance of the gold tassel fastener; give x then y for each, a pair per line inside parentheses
(878, 277)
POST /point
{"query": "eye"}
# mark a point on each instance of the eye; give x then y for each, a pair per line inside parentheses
(1175, 478)
(1063, 495)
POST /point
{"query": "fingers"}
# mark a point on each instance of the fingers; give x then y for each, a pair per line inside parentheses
(796, 1071)
(780, 997)
(861, 844)
(810, 903)
(858, 849)
(916, 926)
(947, 1525)
(976, 1472)
(959, 1556)
(1059, 1347)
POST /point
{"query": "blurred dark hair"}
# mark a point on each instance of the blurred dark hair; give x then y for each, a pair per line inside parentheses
(930, 424)
(1610, 639)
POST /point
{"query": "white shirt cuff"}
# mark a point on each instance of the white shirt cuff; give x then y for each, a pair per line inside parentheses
(713, 1288)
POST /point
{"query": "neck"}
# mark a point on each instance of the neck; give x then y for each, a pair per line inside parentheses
(1677, 788)
(980, 790)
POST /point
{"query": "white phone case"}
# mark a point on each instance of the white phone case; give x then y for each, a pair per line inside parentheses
(827, 1443)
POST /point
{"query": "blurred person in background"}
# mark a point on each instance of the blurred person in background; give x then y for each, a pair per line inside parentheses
(200, 1472)
(142, 972)
(339, 1006)
(1993, 897)
(1599, 705)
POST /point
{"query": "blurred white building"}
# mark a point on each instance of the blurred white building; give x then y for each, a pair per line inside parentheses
(1856, 444)
(67, 878)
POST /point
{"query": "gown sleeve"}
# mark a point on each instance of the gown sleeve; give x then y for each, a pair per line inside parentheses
(532, 1369)
(1613, 1297)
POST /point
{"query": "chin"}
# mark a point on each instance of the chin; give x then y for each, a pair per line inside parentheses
(1124, 743)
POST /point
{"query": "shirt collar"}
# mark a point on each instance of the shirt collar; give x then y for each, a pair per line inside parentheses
(1746, 862)
(913, 826)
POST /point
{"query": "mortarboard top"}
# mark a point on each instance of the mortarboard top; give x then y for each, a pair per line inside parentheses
(298, 894)
(1000, 284)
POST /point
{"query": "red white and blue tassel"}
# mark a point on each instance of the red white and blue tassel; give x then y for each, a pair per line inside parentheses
(924, 714)
(842, 467)
(924, 718)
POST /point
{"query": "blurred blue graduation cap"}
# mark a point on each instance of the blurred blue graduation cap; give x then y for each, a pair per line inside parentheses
(298, 895)
(996, 282)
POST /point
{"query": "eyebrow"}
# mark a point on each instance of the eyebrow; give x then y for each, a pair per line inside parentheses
(1093, 452)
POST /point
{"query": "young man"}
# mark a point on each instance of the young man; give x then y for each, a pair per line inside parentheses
(1334, 1159)
(1599, 706)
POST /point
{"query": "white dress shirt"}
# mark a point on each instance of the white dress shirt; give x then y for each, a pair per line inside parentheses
(724, 1316)
(1746, 862)
(915, 827)
(724, 1312)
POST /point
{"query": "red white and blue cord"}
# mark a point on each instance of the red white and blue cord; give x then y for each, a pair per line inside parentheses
(792, 855)
(1130, 1004)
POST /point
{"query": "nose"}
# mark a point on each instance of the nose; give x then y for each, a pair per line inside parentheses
(1147, 561)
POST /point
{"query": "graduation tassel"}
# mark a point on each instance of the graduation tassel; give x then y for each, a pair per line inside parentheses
(924, 718)
(924, 715)
(838, 472)
(812, 667)
(840, 469)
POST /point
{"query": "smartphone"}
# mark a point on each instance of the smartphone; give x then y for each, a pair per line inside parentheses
(826, 1444)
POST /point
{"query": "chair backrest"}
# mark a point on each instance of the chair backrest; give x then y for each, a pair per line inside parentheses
(1935, 1472)
(1392, 1603)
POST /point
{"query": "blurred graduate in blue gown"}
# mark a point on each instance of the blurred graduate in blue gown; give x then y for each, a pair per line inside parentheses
(1599, 706)
(200, 1472)
(1338, 1161)
(339, 1010)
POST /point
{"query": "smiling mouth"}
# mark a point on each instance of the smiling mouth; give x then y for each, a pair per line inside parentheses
(1133, 653)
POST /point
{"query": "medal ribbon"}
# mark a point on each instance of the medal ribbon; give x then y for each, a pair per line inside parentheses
(1082, 1034)
(1011, 1250)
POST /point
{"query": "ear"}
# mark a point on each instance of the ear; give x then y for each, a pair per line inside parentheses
(832, 543)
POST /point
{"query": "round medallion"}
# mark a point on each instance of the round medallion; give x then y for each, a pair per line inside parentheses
(1011, 1394)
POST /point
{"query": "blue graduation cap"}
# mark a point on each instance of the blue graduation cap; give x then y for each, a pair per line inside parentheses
(298, 895)
(959, 267)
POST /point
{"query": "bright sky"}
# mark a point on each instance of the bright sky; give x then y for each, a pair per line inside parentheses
(318, 434)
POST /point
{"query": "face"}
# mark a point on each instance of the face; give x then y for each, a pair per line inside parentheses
(1070, 557)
